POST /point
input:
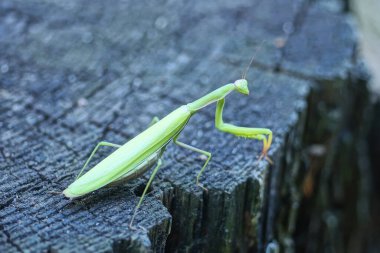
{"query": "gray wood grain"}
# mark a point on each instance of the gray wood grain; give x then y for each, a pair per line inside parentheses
(74, 73)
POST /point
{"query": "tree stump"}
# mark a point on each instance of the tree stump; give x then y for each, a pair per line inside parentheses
(78, 72)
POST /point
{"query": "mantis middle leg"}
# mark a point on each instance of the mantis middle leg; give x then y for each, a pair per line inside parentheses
(159, 163)
(154, 121)
(262, 134)
(208, 154)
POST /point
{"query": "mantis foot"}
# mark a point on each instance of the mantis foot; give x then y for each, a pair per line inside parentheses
(201, 185)
(139, 226)
(55, 192)
(132, 227)
(136, 228)
(265, 156)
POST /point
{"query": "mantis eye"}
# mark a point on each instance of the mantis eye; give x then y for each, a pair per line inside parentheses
(242, 86)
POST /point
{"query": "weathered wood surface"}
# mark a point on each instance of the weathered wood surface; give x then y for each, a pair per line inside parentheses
(374, 150)
(74, 73)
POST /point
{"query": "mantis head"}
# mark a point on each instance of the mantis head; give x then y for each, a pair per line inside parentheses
(241, 86)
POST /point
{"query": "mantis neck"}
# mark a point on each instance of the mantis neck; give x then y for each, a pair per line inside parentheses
(211, 97)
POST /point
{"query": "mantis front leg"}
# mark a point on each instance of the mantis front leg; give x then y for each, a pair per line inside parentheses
(262, 134)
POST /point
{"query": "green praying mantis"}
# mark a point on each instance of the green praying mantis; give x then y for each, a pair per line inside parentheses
(135, 157)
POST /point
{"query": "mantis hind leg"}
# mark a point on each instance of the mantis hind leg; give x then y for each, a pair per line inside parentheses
(102, 143)
(154, 121)
(159, 163)
(109, 144)
(203, 152)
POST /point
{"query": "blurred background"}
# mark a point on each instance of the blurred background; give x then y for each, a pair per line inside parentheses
(367, 15)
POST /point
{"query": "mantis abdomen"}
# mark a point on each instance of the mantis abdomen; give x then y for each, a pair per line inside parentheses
(128, 158)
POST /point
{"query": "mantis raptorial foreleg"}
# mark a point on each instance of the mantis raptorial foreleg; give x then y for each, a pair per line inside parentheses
(262, 134)
(102, 143)
(159, 163)
(203, 152)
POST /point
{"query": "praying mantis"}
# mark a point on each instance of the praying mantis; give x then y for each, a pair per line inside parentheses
(135, 157)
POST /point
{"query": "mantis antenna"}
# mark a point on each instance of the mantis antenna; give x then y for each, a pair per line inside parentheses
(244, 75)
